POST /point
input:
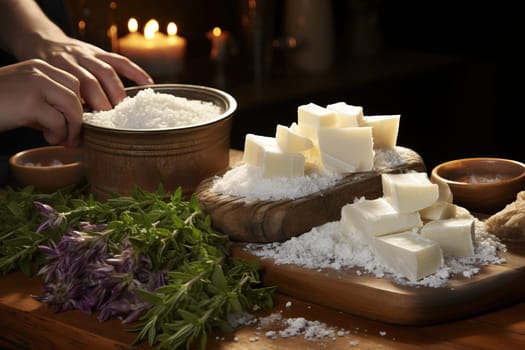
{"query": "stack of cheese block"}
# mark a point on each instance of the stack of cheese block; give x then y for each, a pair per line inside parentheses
(412, 225)
(338, 138)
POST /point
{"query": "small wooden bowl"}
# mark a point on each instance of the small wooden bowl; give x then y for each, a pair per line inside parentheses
(482, 185)
(48, 168)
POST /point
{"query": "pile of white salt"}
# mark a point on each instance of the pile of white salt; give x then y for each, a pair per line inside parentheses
(329, 246)
(246, 181)
(154, 110)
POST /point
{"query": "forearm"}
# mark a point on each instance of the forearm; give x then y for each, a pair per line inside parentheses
(23, 23)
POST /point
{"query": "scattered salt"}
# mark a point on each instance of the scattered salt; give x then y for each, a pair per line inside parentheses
(288, 304)
(330, 246)
(154, 110)
(53, 163)
(353, 342)
(475, 179)
(246, 181)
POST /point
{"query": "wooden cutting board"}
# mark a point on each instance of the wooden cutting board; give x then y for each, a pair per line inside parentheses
(270, 221)
(383, 300)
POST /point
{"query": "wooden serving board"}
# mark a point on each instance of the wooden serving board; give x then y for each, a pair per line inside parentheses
(270, 221)
(383, 300)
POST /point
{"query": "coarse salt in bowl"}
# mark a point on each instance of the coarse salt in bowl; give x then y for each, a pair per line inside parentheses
(48, 168)
(482, 185)
(167, 134)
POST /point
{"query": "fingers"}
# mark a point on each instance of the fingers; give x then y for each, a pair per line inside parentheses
(106, 67)
(53, 125)
(61, 115)
(126, 68)
(44, 97)
(91, 90)
(98, 72)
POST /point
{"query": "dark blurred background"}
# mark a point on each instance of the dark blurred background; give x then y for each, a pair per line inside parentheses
(452, 69)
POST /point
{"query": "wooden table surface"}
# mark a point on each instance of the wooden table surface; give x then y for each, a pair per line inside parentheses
(28, 324)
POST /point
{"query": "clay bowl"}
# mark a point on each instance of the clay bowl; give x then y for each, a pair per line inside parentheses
(117, 159)
(49, 168)
(482, 185)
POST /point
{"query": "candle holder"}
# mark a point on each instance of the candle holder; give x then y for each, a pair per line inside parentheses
(221, 44)
(222, 48)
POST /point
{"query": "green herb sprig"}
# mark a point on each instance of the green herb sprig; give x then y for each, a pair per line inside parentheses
(203, 284)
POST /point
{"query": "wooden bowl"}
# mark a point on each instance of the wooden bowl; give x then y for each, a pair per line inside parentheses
(49, 168)
(119, 159)
(482, 185)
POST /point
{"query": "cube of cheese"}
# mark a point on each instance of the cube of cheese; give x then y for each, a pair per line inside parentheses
(291, 141)
(346, 148)
(254, 146)
(330, 164)
(409, 254)
(263, 152)
(438, 211)
(312, 117)
(455, 236)
(376, 217)
(408, 192)
(277, 163)
(346, 115)
(445, 194)
(385, 129)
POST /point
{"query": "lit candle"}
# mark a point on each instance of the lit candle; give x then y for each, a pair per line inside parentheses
(219, 44)
(159, 54)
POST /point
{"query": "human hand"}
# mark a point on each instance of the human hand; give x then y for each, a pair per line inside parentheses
(35, 94)
(96, 69)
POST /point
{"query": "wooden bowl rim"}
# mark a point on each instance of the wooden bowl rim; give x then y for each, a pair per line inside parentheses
(519, 165)
(14, 159)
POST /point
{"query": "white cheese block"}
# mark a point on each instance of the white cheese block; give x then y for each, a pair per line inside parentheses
(291, 141)
(376, 217)
(455, 236)
(409, 254)
(332, 164)
(463, 213)
(445, 194)
(385, 129)
(346, 115)
(352, 147)
(277, 163)
(408, 192)
(264, 152)
(312, 117)
(254, 147)
(438, 211)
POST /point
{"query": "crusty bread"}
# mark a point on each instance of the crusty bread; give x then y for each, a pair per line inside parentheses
(509, 223)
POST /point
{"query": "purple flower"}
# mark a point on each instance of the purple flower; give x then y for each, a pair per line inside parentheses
(82, 273)
(54, 218)
(86, 226)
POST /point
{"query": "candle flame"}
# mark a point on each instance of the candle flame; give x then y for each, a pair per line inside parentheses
(133, 25)
(151, 27)
(172, 29)
(216, 31)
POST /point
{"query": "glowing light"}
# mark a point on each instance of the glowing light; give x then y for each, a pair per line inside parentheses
(216, 31)
(133, 25)
(172, 29)
(151, 27)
